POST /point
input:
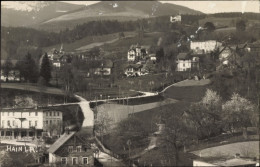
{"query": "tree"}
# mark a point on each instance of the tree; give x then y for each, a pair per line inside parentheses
(45, 70)
(28, 69)
(209, 26)
(237, 113)
(121, 35)
(102, 123)
(67, 78)
(7, 67)
(204, 116)
(176, 134)
(240, 25)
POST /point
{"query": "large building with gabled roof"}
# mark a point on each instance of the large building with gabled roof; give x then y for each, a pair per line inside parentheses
(72, 150)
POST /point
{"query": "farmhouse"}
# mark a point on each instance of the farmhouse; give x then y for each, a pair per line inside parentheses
(18, 123)
(187, 62)
(204, 46)
(71, 149)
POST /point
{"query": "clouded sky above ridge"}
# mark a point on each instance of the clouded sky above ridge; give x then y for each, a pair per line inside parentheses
(207, 6)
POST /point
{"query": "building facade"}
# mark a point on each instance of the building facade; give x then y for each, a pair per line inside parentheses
(186, 62)
(72, 150)
(30, 122)
(204, 46)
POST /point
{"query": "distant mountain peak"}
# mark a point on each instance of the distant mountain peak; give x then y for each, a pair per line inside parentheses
(28, 6)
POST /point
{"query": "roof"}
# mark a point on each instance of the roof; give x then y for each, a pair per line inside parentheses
(183, 56)
(58, 143)
(204, 41)
(107, 63)
(135, 66)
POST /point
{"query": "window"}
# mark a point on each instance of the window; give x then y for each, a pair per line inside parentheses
(30, 123)
(54, 113)
(36, 113)
(50, 113)
(50, 122)
(70, 149)
(29, 113)
(36, 123)
(183, 64)
(8, 123)
(63, 160)
(58, 113)
(46, 113)
(74, 160)
(47, 122)
(78, 148)
(84, 160)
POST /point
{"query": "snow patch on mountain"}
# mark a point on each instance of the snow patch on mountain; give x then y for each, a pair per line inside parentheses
(24, 5)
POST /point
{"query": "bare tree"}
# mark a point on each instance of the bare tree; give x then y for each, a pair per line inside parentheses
(102, 123)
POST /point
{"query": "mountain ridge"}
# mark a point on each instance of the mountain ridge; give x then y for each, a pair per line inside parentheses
(51, 14)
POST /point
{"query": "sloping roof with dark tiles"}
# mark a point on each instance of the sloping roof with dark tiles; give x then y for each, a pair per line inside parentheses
(58, 143)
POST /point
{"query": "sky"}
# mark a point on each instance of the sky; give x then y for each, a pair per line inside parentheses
(208, 6)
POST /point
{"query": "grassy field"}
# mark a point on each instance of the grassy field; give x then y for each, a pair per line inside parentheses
(148, 116)
(87, 41)
(192, 92)
(119, 112)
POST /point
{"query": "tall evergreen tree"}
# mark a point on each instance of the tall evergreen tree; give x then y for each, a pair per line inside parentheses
(28, 68)
(45, 70)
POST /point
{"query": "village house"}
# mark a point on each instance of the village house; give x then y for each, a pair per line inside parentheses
(59, 58)
(253, 47)
(204, 46)
(225, 53)
(18, 123)
(152, 57)
(13, 75)
(102, 67)
(72, 150)
(187, 62)
(175, 19)
(135, 70)
(136, 53)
